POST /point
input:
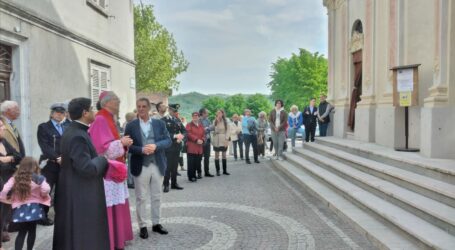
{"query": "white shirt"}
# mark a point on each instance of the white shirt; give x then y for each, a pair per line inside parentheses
(145, 126)
(278, 118)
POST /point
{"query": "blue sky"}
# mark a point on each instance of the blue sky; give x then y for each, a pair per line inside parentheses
(231, 44)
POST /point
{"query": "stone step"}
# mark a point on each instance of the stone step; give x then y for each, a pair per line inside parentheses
(440, 169)
(435, 212)
(423, 232)
(424, 185)
(379, 232)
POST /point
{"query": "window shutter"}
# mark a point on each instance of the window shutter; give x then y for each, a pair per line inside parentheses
(102, 3)
(95, 84)
(104, 80)
(99, 81)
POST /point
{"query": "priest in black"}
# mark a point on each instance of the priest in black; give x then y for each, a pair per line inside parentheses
(80, 208)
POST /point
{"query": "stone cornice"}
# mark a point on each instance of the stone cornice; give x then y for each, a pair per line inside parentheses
(34, 18)
(333, 4)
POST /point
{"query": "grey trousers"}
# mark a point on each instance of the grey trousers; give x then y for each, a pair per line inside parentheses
(278, 139)
(148, 184)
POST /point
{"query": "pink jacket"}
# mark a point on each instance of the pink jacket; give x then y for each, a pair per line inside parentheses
(39, 194)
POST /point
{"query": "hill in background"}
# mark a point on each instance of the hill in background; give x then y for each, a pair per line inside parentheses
(190, 102)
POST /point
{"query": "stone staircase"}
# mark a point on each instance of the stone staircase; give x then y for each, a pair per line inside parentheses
(398, 200)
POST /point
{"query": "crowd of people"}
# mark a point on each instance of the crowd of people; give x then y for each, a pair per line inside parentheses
(89, 161)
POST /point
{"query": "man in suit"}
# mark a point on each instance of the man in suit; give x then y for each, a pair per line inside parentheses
(310, 116)
(148, 164)
(49, 135)
(80, 202)
(11, 112)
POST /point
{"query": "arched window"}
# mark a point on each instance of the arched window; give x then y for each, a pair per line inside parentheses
(357, 27)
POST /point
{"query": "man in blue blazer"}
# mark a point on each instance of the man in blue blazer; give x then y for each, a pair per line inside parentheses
(148, 164)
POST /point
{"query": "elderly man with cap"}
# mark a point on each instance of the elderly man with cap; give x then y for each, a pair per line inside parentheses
(177, 133)
(49, 135)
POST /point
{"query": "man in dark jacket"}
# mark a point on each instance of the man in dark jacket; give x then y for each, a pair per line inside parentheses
(310, 115)
(80, 208)
(148, 164)
(49, 135)
(324, 115)
(177, 133)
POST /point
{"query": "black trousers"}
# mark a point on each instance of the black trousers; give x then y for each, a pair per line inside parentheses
(206, 155)
(172, 166)
(251, 140)
(5, 209)
(51, 172)
(310, 129)
(193, 164)
(28, 229)
(238, 143)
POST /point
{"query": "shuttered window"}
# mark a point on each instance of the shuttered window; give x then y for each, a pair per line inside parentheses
(101, 5)
(100, 78)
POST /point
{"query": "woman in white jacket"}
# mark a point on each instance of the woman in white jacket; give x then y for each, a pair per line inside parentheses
(236, 136)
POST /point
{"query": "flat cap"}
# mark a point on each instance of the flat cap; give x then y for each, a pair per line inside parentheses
(59, 107)
(174, 107)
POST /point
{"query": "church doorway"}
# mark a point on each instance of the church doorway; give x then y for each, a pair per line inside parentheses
(356, 90)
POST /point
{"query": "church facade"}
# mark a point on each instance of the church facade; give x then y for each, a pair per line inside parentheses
(369, 37)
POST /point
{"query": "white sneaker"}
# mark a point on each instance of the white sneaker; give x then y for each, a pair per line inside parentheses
(280, 158)
(277, 158)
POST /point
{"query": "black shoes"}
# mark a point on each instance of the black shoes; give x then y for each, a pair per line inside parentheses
(209, 175)
(131, 186)
(217, 173)
(256, 161)
(144, 234)
(176, 186)
(248, 162)
(226, 173)
(46, 222)
(178, 174)
(166, 189)
(159, 229)
(199, 176)
(193, 180)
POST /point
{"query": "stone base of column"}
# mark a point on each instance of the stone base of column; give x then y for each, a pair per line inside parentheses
(437, 132)
(365, 116)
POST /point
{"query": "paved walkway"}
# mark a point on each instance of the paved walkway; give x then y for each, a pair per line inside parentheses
(253, 208)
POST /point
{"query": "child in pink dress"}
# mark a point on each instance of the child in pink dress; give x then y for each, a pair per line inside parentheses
(26, 191)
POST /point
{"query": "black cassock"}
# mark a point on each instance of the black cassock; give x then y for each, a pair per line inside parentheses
(80, 209)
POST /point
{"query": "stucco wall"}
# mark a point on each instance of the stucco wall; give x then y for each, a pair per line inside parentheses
(113, 31)
(50, 67)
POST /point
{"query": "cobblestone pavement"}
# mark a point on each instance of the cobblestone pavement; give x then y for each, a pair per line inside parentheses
(255, 207)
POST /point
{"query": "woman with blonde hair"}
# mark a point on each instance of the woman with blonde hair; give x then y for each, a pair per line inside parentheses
(220, 140)
(295, 121)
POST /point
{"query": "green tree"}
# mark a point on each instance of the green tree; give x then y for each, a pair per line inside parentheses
(298, 78)
(158, 60)
(235, 104)
(257, 103)
(212, 104)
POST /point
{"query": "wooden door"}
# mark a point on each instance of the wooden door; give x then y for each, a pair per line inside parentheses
(5, 72)
(357, 87)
